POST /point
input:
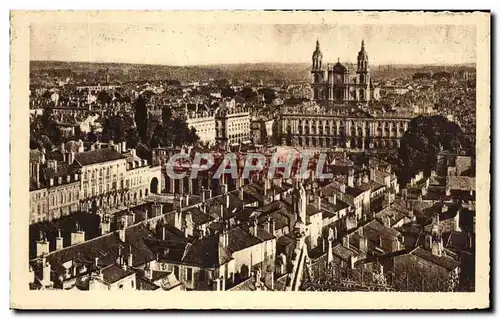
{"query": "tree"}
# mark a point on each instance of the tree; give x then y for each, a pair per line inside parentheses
(104, 98)
(141, 117)
(425, 138)
(269, 95)
(228, 92)
(132, 137)
(166, 114)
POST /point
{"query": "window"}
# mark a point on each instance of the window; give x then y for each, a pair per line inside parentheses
(132, 283)
(176, 271)
(189, 274)
(120, 286)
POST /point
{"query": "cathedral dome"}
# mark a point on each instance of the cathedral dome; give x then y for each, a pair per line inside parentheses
(338, 68)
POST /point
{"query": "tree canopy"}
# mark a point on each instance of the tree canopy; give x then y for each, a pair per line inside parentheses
(173, 131)
(425, 138)
(141, 117)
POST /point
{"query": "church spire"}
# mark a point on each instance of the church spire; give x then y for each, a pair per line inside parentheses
(317, 57)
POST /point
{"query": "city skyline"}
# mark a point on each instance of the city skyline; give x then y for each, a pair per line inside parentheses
(225, 44)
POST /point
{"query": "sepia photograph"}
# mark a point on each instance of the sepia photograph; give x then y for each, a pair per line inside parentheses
(290, 156)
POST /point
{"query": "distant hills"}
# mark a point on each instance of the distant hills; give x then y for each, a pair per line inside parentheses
(124, 72)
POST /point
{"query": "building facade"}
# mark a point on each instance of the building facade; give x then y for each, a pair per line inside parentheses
(336, 83)
(232, 125)
(316, 126)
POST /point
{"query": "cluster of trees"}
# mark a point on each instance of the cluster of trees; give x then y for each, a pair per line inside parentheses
(427, 76)
(44, 131)
(250, 95)
(173, 131)
(425, 138)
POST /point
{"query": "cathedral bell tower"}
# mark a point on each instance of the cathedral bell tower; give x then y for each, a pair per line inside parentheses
(317, 73)
(363, 76)
(363, 70)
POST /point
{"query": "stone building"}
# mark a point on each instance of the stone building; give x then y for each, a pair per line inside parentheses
(336, 83)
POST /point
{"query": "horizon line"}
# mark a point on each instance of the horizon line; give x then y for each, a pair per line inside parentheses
(247, 63)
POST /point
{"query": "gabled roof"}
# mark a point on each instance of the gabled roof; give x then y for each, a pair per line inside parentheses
(114, 273)
(441, 261)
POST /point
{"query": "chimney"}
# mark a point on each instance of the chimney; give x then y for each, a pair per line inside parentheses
(224, 238)
(130, 258)
(226, 197)
(203, 196)
(240, 193)
(366, 178)
(59, 241)
(59, 180)
(387, 221)
(148, 272)
(318, 201)
(345, 241)
(372, 174)
(217, 284)
(352, 261)
(105, 225)
(51, 181)
(42, 246)
(272, 226)
(178, 218)
(63, 148)
(76, 177)
(253, 227)
(380, 241)
(350, 177)
(78, 236)
(124, 146)
(157, 209)
(188, 230)
(223, 188)
(187, 200)
(428, 241)
(363, 244)
(268, 224)
(329, 251)
(437, 246)
(71, 157)
(46, 280)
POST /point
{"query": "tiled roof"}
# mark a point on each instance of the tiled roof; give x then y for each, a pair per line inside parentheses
(343, 252)
(113, 273)
(463, 183)
(375, 229)
(98, 156)
(443, 261)
(144, 284)
(353, 191)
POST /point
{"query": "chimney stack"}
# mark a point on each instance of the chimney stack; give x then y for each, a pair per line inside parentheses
(42, 245)
(46, 280)
(346, 241)
(178, 218)
(59, 241)
(78, 236)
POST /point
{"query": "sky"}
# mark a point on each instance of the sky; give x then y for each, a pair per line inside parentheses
(202, 44)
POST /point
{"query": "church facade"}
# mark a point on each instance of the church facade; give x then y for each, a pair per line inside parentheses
(337, 83)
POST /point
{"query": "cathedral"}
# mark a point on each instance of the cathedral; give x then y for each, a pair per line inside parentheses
(336, 83)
